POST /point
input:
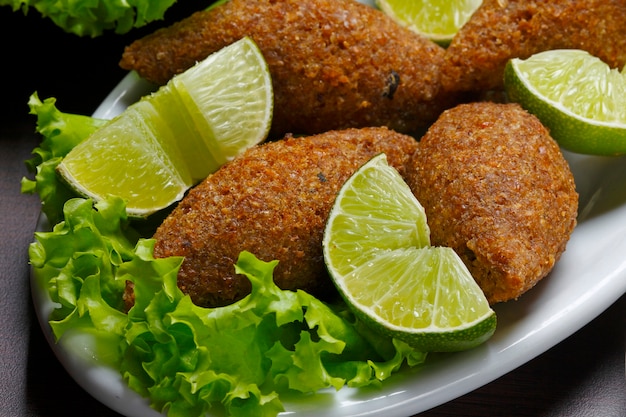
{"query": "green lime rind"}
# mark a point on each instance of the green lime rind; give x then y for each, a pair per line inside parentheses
(572, 131)
(443, 341)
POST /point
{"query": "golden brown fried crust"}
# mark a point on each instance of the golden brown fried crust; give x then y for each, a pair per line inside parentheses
(334, 63)
(503, 29)
(496, 188)
(272, 201)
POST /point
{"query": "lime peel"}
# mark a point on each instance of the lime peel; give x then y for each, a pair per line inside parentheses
(575, 95)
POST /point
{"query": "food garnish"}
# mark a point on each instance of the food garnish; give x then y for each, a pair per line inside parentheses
(160, 146)
(576, 95)
(377, 249)
(60, 132)
(93, 18)
(437, 20)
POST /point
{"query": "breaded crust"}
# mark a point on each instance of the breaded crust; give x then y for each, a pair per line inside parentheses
(272, 201)
(334, 63)
(497, 189)
(503, 29)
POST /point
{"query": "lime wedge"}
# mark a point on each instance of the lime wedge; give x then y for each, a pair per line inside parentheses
(377, 251)
(155, 150)
(576, 95)
(437, 20)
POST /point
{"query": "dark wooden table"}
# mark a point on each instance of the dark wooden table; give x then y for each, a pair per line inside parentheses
(582, 376)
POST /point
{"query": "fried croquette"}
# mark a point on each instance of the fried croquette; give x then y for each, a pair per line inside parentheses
(497, 189)
(272, 201)
(334, 63)
(503, 29)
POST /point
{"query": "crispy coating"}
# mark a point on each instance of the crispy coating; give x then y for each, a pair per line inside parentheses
(334, 63)
(497, 189)
(272, 201)
(503, 29)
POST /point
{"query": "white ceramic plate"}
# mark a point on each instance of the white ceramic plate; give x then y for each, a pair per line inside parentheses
(590, 276)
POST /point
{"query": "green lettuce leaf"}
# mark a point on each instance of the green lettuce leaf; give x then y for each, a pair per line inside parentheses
(61, 132)
(243, 356)
(186, 359)
(93, 17)
(76, 264)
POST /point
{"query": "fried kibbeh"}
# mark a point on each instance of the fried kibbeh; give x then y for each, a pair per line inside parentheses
(503, 29)
(334, 64)
(497, 189)
(272, 201)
